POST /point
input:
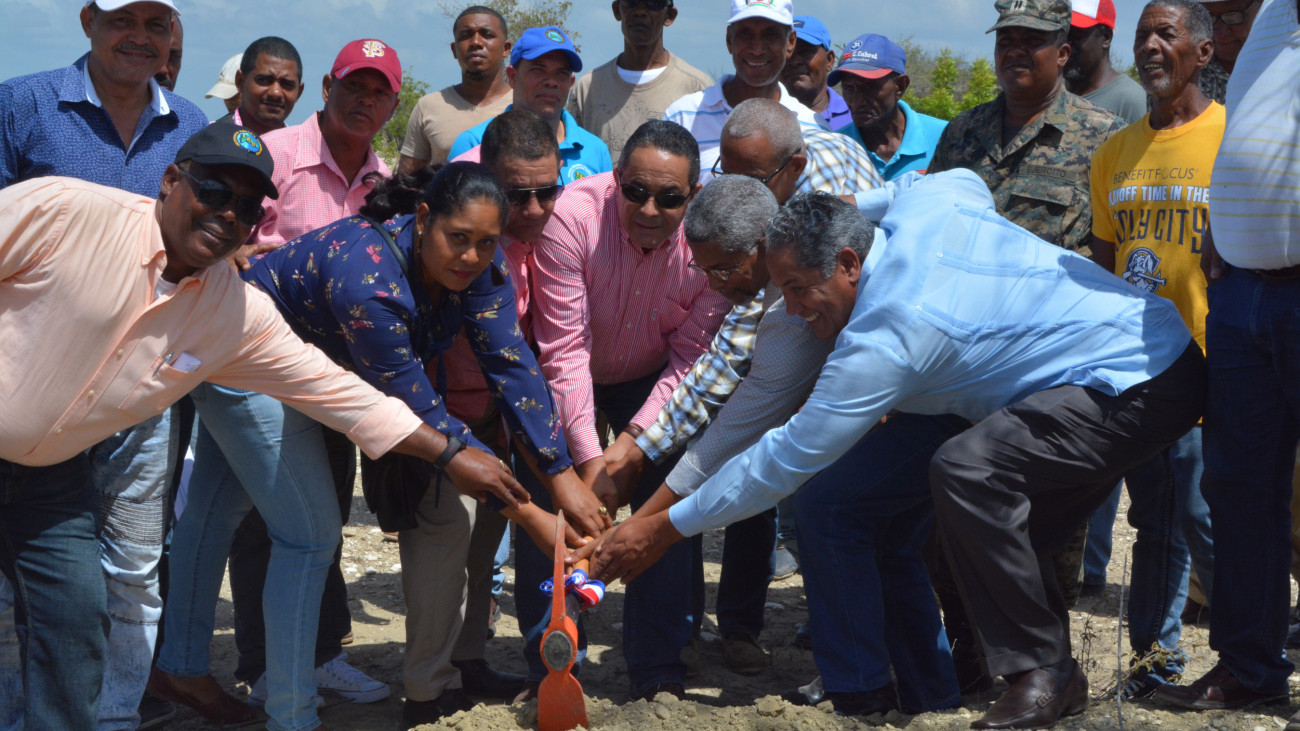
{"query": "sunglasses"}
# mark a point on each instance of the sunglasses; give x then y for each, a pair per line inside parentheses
(216, 195)
(663, 201)
(717, 169)
(519, 197)
(653, 6)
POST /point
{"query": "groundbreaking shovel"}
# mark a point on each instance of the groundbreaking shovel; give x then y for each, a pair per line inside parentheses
(560, 703)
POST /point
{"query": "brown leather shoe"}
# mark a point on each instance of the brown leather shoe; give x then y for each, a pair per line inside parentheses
(1216, 689)
(203, 695)
(1033, 701)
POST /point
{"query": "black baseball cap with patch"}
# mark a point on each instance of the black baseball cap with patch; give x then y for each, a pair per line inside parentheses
(1048, 15)
(226, 143)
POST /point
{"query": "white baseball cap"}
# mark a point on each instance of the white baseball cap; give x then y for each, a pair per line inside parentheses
(111, 5)
(780, 11)
(225, 87)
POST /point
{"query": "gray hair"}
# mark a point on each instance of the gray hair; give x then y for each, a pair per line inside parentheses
(732, 213)
(817, 226)
(1197, 20)
(763, 116)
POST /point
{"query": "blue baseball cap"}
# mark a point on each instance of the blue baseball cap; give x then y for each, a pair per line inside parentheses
(537, 42)
(812, 30)
(870, 56)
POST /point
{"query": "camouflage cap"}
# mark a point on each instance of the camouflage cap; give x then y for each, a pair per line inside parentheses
(1049, 15)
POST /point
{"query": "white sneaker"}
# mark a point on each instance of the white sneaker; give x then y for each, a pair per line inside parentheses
(257, 694)
(337, 677)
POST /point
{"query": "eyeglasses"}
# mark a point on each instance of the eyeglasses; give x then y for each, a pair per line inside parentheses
(217, 195)
(664, 201)
(653, 6)
(1233, 17)
(717, 274)
(518, 197)
(717, 169)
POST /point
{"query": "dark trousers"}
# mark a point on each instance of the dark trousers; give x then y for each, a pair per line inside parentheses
(49, 552)
(251, 551)
(1017, 485)
(1252, 425)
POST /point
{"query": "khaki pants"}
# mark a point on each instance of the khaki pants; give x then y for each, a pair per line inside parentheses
(446, 577)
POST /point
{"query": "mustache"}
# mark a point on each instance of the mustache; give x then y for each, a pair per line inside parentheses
(128, 46)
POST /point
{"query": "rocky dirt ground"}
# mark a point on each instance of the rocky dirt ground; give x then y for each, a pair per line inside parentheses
(716, 697)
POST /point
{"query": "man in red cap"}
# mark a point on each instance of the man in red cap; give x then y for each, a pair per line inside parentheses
(324, 183)
(1089, 74)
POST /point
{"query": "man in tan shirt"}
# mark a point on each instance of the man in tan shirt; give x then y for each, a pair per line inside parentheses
(111, 309)
(637, 85)
(481, 47)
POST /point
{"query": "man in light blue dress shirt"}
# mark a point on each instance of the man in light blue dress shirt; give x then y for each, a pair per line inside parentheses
(1067, 377)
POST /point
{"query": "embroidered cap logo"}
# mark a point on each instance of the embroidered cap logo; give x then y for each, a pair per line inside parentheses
(248, 141)
(373, 49)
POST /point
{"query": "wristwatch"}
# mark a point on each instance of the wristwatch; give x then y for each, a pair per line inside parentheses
(454, 446)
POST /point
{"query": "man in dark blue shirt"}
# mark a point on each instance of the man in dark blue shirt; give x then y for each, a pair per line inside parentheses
(106, 120)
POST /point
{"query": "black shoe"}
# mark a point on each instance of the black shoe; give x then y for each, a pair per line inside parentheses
(803, 636)
(449, 703)
(155, 712)
(481, 680)
(864, 703)
(674, 689)
(1092, 590)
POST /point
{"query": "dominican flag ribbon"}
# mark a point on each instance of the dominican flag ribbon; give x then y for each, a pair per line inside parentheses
(589, 591)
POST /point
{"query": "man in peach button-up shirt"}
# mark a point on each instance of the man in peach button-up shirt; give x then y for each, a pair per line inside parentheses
(111, 310)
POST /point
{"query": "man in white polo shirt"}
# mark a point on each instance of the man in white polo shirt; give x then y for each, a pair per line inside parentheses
(1252, 420)
(760, 38)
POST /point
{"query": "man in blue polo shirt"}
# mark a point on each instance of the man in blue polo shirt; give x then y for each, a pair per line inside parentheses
(541, 70)
(873, 76)
(106, 120)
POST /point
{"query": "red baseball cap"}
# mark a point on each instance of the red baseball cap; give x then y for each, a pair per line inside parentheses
(369, 53)
(1088, 13)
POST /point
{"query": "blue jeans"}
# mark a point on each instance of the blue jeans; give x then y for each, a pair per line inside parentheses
(862, 525)
(1101, 528)
(659, 608)
(1164, 505)
(251, 451)
(1252, 426)
(131, 472)
(50, 556)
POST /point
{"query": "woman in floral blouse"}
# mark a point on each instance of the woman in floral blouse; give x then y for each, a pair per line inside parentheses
(343, 289)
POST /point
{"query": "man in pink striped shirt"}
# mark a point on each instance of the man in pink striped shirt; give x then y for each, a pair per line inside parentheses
(619, 318)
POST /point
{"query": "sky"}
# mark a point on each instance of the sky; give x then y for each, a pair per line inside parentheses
(45, 34)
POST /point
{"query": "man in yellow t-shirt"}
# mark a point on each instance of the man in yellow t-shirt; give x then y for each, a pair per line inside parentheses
(1150, 218)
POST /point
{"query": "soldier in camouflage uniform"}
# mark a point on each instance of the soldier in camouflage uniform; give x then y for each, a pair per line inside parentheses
(1033, 147)
(1033, 144)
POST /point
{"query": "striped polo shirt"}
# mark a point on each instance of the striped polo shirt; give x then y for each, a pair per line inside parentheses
(705, 112)
(1255, 191)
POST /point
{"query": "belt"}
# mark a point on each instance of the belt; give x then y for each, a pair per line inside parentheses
(1287, 274)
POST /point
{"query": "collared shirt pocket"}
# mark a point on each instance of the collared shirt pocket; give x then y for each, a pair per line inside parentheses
(670, 316)
(1047, 201)
(159, 387)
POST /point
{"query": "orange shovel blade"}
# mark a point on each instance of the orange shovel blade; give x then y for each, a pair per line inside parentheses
(560, 703)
